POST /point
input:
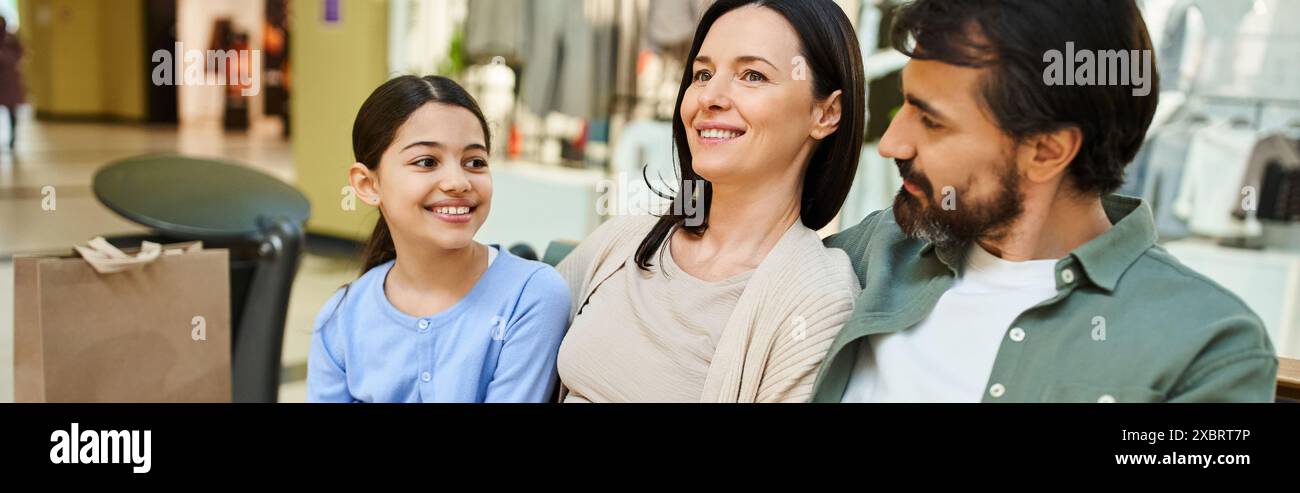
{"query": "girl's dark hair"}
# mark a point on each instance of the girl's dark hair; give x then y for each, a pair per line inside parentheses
(830, 48)
(385, 111)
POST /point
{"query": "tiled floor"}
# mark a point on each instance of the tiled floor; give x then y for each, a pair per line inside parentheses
(65, 156)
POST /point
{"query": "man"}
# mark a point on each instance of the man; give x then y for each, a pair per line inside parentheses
(1005, 271)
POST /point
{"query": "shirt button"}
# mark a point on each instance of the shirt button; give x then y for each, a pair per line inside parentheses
(1106, 399)
(1067, 275)
(426, 376)
(997, 390)
(424, 324)
(1017, 334)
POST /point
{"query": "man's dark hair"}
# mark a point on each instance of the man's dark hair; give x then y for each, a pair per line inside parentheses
(1012, 38)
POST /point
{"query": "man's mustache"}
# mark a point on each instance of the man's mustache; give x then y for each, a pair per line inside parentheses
(909, 173)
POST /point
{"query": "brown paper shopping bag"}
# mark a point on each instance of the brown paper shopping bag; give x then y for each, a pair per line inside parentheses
(109, 326)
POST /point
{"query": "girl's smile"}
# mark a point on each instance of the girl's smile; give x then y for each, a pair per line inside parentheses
(455, 211)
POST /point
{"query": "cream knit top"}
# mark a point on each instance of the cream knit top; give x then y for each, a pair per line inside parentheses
(769, 348)
(647, 335)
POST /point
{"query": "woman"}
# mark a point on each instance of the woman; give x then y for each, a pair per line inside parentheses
(736, 300)
(435, 315)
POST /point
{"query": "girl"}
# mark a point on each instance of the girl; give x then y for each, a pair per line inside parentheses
(435, 316)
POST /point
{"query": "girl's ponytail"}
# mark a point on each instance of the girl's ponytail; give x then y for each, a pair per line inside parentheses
(379, 248)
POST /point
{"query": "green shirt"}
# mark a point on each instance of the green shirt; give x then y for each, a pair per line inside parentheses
(1129, 323)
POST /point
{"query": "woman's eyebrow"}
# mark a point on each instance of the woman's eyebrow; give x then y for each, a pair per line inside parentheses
(741, 59)
(755, 58)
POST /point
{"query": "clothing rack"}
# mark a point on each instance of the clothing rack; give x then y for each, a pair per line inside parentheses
(1257, 103)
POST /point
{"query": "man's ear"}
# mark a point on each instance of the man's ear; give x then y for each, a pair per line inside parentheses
(827, 115)
(1049, 154)
(365, 182)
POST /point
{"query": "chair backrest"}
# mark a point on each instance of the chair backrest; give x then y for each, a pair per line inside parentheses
(524, 251)
(557, 250)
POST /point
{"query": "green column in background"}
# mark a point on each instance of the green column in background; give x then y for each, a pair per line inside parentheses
(85, 59)
(335, 66)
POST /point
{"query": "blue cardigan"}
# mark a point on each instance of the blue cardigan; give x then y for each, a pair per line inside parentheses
(497, 344)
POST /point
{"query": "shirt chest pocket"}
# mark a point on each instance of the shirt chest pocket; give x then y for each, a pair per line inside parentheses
(1083, 392)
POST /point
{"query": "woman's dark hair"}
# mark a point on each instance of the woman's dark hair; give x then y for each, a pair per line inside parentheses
(1012, 38)
(385, 111)
(829, 46)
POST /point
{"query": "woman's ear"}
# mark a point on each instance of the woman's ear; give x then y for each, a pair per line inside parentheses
(365, 182)
(826, 116)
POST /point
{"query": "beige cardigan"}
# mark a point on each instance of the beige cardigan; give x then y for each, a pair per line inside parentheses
(795, 304)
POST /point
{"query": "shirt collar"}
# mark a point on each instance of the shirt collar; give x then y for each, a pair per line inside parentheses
(1104, 259)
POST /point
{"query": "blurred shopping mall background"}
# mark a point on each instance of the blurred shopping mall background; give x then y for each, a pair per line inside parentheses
(563, 127)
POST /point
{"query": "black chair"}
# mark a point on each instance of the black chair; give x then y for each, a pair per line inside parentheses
(226, 205)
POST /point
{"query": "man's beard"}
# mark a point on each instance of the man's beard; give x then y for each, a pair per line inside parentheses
(966, 222)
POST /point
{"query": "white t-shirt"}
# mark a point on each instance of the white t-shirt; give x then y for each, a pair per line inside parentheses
(948, 356)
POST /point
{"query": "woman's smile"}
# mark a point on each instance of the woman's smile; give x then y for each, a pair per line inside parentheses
(718, 133)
